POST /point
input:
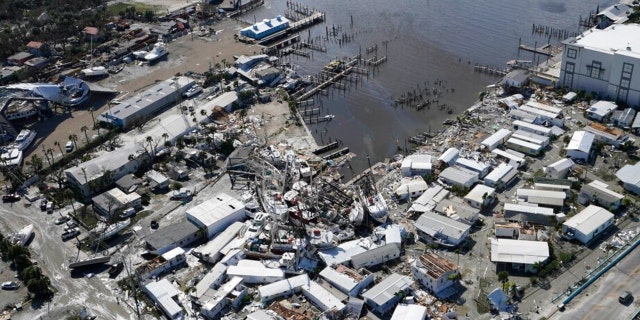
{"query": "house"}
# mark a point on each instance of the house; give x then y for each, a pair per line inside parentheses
(382, 253)
(434, 273)
(322, 299)
(343, 253)
(519, 255)
(511, 102)
(629, 175)
(129, 183)
(175, 235)
(227, 101)
(542, 198)
(230, 294)
(114, 201)
(496, 139)
(434, 228)
(211, 252)
(602, 61)
(409, 311)
(515, 79)
(599, 193)
(500, 177)
(217, 213)
(92, 34)
(282, 288)
(348, 281)
(254, 272)
(411, 188)
(429, 199)
(458, 177)
(265, 28)
(625, 118)
(533, 128)
(168, 261)
(529, 213)
(38, 49)
(579, 147)
(416, 165)
(606, 135)
(480, 196)
(456, 209)
(157, 180)
(543, 113)
(531, 137)
(510, 157)
(383, 296)
(527, 147)
(247, 62)
(18, 59)
(587, 224)
(165, 295)
(212, 280)
(615, 14)
(560, 169)
(449, 157)
(600, 110)
(472, 165)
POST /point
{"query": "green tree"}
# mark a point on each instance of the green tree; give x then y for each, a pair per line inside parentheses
(503, 276)
(56, 143)
(36, 163)
(84, 130)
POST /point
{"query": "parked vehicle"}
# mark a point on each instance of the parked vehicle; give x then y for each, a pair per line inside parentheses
(625, 297)
(154, 224)
(183, 193)
(72, 224)
(127, 213)
(43, 204)
(68, 235)
(12, 197)
(61, 220)
(10, 285)
(69, 146)
(50, 207)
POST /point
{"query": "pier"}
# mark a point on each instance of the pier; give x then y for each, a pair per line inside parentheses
(314, 18)
(545, 50)
(335, 154)
(326, 148)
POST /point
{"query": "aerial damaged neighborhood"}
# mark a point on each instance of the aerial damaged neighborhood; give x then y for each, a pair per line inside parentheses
(171, 160)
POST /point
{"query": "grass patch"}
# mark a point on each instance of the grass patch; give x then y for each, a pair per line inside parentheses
(115, 9)
(141, 215)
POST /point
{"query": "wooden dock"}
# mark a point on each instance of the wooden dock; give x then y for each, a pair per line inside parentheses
(314, 18)
(545, 50)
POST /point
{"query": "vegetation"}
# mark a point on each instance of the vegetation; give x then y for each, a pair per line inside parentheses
(30, 274)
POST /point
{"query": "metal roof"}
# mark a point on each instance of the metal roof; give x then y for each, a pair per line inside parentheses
(478, 192)
(562, 164)
(450, 155)
(531, 127)
(214, 275)
(602, 108)
(322, 298)
(409, 311)
(497, 137)
(589, 219)
(516, 208)
(215, 209)
(472, 164)
(170, 234)
(519, 251)
(434, 224)
(499, 172)
(387, 288)
(216, 244)
(458, 175)
(283, 286)
(581, 141)
(630, 174)
(545, 107)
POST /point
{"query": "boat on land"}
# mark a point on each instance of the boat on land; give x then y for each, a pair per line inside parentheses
(24, 139)
(111, 230)
(159, 50)
(97, 71)
(11, 157)
(22, 237)
(356, 213)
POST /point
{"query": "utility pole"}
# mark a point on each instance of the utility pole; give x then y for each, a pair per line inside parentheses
(133, 288)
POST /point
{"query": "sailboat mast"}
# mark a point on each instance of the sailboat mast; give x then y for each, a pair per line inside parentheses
(371, 175)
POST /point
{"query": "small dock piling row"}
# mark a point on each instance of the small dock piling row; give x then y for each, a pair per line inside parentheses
(308, 21)
(375, 62)
(552, 32)
(490, 70)
(312, 46)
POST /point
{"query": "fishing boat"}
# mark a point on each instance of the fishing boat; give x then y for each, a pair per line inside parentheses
(24, 139)
(110, 230)
(159, 50)
(20, 109)
(320, 238)
(96, 71)
(22, 237)
(377, 208)
(356, 213)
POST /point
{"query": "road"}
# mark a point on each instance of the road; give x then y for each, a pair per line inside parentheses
(600, 301)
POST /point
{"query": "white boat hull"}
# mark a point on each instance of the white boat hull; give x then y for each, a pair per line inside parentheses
(22, 237)
(377, 208)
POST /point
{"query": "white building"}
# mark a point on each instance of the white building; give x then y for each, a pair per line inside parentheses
(606, 135)
(511, 157)
(588, 224)
(429, 199)
(602, 61)
(527, 147)
(560, 169)
(113, 201)
(382, 297)
(501, 176)
(282, 288)
(168, 261)
(441, 230)
(165, 295)
(252, 271)
(416, 165)
(629, 175)
(374, 256)
(579, 147)
(348, 281)
(157, 180)
(529, 213)
(212, 280)
(625, 119)
(598, 192)
(217, 213)
(229, 294)
(322, 299)
(531, 137)
(480, 196)
(481, 168)
(211, 251)
(449, 157)
(543, 198)
(533, 128)
(519, 255)
(411, 188)
(343, 253)
(457, 177)
(543, 115)
(409, 311)
(496, 139)
(433, 271)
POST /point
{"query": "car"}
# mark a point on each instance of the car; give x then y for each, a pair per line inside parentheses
(10, 285)
(43, 204)
(154, 224)
(12, 197)
(625, 297)
(61, 220)
(50, 207)
(128, 212)
(72, 223)
(70, 234)
(183, 193)
(69, 146)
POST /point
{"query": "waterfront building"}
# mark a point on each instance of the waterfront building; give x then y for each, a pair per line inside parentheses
(629, 175)
(265, 28)
(434, 228)
(416, 165)
(216, 214)
(598, 192)
(519, 255)
(433, 272)
(348, 281)
(500, 177)
(579, 147)
(411, 188)
(603, 61)
(383, 296)
(560, 169)
(587, 224)
(496, 139)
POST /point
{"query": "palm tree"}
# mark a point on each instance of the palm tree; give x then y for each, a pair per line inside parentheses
(165, 136)
(56, 143)
(49, 151)
(92, 117)
(149, 141)
(84, 130)
(74, 138)
(68, 195)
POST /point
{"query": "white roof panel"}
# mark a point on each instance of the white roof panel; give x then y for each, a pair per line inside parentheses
(387, 288)
(581, 141)
(519, 251)
(589, 219)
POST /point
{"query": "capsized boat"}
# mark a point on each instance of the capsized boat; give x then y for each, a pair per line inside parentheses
(22, 237)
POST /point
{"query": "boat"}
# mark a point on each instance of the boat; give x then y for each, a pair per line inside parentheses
(89, 262)
(97, 71)
(320, 238)
(20, 109)
(306, 80)
(140, 54)
(115, 269)
(328, 117)
(116, 69)
(377, 208)
(159, 50)
(356, 213)
(194, 90)
(11, 157)
(22, 237)
(24, 139)
(110, 231)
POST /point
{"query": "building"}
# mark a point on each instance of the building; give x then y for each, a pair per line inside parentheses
(157, 180)
(542, 198)
(434, 274)
(472, 165)
(500, 177)
(453, 176)
(212, 280)
(480, 196)
(416, 165)
(383, 296)
(434, 228)
(343, 253)
(429, 199)
(527, 147)
(168, 261)
(629, 175)
(19, 58)
(510, 157)
(559, 169)
(165, 295)
(519, 255)
(579, 147)
(601, 110)
(409, 311)
(450, 156)
(625, 119)
(129, 183)
(247, 62)
(456, 209)
(514, 230)
(265, 28)
(496, 139)
(533, 128)
(411, 188)
(253, 272)
(511, 102)
(599, 193)
(588, 224)
(114, 201)
(175, 235)
(89, 177)
(531, 137)
(211, 252)
(217, 213)
(382, 253)
(553, 185)
(348, 281)
(282, 288)
(140, 108)
(227, 101)
(230, 294)
(602, 61)
(606, 135)
(615, 14)
(542, 115)
(322, 299)
(529, 213)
